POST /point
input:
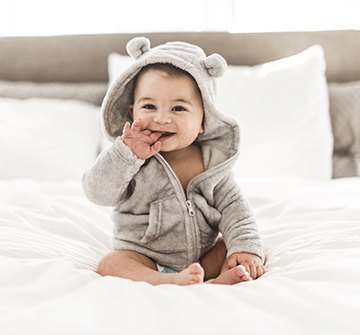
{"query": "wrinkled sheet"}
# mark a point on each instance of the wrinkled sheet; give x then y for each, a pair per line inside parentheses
(51, 238)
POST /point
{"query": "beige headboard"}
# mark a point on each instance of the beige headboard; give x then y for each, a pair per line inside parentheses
(83, 58)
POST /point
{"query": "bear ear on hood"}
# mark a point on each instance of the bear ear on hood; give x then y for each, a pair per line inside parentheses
(138, 46)
(215, 65)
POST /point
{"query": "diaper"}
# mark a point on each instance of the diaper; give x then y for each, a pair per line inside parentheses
(165, 269)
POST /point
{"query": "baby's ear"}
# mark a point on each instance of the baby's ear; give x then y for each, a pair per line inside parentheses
(138, 46)
(201, 130)
(215, 65)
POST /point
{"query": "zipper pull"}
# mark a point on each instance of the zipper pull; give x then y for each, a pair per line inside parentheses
(189, 207)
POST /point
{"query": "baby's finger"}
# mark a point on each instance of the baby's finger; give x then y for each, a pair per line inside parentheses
(232, 262)
(155, 135)
(136, 126)
(126, 128)
(252, 271)
(260, 270)
(155, 148)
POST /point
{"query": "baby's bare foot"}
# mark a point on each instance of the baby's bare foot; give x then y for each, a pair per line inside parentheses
(233, 276)
(194, 274)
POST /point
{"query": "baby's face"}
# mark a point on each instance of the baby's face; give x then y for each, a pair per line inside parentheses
(171, 105)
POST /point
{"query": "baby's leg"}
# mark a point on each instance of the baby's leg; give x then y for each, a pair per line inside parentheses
(213, 260)
(216, 268)
(137, 267)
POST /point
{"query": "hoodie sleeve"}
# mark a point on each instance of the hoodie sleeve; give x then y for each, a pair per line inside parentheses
(108, 178)
(237, 224)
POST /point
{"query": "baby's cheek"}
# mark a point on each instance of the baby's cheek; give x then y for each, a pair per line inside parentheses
(146, 120)
(193, 130)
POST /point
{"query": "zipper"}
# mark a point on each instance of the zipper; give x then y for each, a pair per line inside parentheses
(190, 208)
(188, 203)
(210, 170)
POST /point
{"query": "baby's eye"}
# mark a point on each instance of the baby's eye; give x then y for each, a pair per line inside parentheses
(179, 108)
(149, 106)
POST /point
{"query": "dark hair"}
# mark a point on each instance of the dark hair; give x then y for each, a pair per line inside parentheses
(168, 68)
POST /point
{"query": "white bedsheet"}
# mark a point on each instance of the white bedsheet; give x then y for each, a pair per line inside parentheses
(51, 238)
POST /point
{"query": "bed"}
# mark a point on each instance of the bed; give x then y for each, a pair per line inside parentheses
(297, 98)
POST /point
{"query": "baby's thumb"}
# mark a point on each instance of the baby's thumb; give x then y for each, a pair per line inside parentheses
(232, 262)
(155, 148)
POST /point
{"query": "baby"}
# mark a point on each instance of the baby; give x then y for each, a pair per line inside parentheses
(179, 216)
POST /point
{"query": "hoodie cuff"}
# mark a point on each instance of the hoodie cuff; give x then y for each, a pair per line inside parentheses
(256, 249)
(125, 153)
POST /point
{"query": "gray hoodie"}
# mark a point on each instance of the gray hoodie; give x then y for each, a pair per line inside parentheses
(153, 214)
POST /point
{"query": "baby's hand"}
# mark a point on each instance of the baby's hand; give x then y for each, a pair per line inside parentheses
(142, 142)
(251, 262)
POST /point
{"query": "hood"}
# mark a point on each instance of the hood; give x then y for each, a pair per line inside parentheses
(220, 131)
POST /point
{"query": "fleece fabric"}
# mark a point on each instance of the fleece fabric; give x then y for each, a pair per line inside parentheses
(153, 214)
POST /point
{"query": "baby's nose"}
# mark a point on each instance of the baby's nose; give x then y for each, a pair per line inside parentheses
(162, 117)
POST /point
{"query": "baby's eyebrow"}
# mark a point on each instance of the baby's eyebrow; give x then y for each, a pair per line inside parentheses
(144, 99)
(183, 101)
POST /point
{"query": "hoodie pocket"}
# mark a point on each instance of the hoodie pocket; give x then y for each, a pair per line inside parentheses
(166, 231)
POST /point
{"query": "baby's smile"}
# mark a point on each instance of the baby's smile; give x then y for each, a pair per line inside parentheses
(166, 134)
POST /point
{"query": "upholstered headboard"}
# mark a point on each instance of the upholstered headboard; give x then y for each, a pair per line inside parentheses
(83, 58)
(60, 64)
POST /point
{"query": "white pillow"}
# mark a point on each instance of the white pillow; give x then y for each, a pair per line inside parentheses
(47, 139)
(116, 64)
(283, 111)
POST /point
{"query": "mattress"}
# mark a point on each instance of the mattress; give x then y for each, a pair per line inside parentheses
(51, 238)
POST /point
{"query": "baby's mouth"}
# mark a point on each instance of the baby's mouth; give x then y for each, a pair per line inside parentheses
(166, 134)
